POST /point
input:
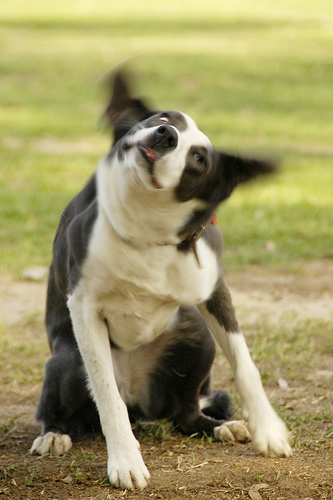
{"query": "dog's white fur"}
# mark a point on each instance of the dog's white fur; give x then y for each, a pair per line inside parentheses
(139, 287)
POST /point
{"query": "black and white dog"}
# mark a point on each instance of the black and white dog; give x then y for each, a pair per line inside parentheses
(136, 295)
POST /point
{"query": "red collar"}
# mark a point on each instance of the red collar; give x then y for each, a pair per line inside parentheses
(214, 221)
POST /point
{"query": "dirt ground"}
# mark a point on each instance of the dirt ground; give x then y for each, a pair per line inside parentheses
(187, 468)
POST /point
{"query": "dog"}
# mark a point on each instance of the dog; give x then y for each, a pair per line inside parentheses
(136, 297)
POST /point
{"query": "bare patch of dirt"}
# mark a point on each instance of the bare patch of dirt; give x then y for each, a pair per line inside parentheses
(307, 294)
(184, 468)
(19, 299)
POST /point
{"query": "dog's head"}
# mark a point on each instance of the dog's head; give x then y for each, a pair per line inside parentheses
(168, 152)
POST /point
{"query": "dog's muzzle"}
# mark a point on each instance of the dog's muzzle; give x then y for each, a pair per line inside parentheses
(154, 145)
(161, 140)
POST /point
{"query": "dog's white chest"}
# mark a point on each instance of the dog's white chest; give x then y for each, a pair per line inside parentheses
(139, 291)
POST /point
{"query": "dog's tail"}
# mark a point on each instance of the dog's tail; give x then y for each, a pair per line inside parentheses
(217, 405)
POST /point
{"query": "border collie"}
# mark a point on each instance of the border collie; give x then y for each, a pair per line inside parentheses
(136, 297)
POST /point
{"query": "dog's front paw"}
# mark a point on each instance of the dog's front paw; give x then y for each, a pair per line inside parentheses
(232, 431)
(127, 470)
(51, 444)
(271, 437)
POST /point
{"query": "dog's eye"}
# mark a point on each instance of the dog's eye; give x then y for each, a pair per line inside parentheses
(164, 119)
(200, 160)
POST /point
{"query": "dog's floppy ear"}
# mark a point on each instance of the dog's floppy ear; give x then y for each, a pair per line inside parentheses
(124, 111)
(218, 182)
(236, 169)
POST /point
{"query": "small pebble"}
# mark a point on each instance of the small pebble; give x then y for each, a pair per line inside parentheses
(35, 273)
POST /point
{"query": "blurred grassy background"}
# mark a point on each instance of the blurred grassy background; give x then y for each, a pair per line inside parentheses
(256, 76)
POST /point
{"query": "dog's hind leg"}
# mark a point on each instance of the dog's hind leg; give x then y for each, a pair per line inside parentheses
(65, 407)
(180, 386)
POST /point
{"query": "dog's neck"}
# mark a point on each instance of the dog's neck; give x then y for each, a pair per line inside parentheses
(140, 215)
(143, 218)
(184, 242)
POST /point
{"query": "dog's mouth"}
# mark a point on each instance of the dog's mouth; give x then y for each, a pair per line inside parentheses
(149, 155)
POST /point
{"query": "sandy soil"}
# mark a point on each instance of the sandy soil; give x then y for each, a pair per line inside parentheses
(180, 467)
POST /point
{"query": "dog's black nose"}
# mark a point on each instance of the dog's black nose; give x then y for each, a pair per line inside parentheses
(165, 137)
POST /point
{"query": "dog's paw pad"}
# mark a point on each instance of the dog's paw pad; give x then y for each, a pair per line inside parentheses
(51, 444)
(232, 431)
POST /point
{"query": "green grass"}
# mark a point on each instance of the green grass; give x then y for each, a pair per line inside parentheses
(292, 349)
(256, 76)
(23, 353)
